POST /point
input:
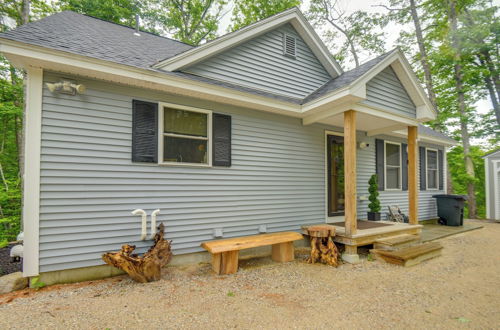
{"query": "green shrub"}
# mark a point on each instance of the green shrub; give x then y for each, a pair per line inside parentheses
(374, 205)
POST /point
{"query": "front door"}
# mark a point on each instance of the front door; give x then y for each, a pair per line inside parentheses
(335, 152)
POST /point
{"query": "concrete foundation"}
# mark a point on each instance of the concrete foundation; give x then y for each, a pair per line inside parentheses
(104, 271)
(350, 258)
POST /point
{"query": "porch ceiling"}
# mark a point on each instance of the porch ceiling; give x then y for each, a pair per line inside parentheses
(365, 122)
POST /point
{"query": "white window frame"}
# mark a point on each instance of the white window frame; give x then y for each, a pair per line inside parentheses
(161, 134)
(400, 166)
(427, 169)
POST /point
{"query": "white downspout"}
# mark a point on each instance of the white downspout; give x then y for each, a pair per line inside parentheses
(144, 224)
(153, 222)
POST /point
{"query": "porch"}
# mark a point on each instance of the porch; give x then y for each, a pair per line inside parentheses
(350, 230)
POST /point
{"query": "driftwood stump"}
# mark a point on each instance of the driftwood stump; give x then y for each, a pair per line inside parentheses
(323, 248)
(146, 268)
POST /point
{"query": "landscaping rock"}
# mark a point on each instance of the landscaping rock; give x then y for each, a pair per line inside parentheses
(13, 282)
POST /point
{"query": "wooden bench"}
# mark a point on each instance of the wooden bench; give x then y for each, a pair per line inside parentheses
(225, 251)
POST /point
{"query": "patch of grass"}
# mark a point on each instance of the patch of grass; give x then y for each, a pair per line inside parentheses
(462, 319)
(36, 283)
(4, 243)
(370, 257)
(230, 294)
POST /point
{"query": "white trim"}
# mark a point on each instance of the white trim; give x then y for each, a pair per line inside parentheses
(329, 219)
(496, 196)
(293, 16)
(487, 195)
(400, 166)
(161, 134)
(427, 169)
(445, 171)
(32, 143)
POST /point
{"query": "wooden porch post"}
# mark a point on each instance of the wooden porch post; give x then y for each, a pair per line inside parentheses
(350, 172)
(412, 175)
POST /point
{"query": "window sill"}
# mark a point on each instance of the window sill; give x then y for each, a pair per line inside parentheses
(185, 165)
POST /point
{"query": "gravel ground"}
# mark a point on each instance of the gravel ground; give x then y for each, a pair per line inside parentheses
(460, 289)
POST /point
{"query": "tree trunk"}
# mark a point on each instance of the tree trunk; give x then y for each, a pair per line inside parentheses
(459, 88)
(490, 84)
(146, 268)
(423, 53)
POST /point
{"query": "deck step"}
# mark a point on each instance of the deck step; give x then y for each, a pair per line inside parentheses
(396, 242)
(409, 256)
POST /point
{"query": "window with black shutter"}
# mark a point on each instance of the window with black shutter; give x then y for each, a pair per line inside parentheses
(144, 131)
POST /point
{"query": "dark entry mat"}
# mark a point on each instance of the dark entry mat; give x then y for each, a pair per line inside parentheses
(362, 224)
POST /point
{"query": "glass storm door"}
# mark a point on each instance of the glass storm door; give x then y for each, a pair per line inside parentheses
(336, 200)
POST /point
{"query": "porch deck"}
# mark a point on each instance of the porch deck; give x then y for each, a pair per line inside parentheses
(369, 231)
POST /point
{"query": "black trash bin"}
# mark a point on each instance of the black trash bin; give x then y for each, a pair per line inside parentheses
(451, 209)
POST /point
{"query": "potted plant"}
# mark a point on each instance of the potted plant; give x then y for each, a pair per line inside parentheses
(374, 205)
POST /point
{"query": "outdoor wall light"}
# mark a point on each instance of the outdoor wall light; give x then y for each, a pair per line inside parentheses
(363, 145)
(66, 87)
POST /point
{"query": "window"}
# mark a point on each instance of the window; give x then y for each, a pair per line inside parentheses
(185, 135)
(289, 45)
(432, 169)
(392, 166)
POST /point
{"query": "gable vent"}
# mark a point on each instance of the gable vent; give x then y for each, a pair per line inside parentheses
(289, 45)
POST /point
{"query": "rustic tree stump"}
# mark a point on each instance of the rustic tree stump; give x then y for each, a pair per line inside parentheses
(323, 248)
(146, 268)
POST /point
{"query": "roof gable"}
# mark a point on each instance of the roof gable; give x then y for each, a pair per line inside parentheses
(219, 45)
(260, 63)
(386, 91)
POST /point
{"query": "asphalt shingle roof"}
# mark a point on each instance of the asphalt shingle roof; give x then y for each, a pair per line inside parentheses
(424, 130)
(89, 36)
(84, 35)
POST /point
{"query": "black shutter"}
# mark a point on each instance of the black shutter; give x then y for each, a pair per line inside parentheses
(441, 169)
(221, 135)
(423, 175)
(379, 163)
(144, 132)
(404, 166)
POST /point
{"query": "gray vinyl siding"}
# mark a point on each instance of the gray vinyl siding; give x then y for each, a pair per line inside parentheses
(385, 91)
(89, 185)
(260, 63)
(366, 167)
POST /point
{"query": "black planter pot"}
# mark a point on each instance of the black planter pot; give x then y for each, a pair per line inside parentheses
(374, 216)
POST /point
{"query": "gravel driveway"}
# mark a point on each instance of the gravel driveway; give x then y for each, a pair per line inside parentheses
(460, 289)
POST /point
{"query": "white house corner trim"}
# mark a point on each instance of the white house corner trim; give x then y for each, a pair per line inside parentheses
(32, 141)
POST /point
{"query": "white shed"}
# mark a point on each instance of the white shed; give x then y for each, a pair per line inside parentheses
(492, 178)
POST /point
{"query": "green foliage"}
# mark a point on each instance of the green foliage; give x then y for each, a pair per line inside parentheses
(36, 283)
(348, 35)
(460, 177)
(117, 11)
(189, 21)
(230, 294)
(246, 12)
(374, 205)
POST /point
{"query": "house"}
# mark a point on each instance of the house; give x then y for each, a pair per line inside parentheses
(492, 179)
(257, 131)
